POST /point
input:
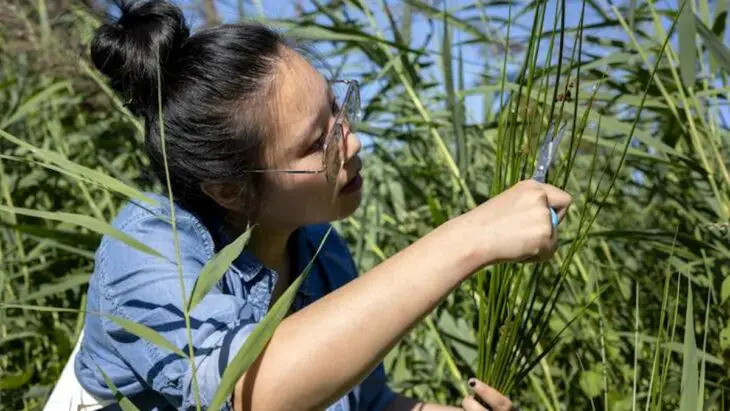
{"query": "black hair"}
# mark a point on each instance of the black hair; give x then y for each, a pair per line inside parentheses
(214, 89)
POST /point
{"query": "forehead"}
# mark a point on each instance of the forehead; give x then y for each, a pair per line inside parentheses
(298, 78)
(302, 94)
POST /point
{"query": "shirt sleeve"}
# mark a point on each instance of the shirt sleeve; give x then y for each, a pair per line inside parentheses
(147, 290)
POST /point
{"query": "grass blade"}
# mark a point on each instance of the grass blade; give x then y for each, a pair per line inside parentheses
(69, 282)
(124, 403)
(718, 50)
(33, 103)
(146, 333)
(215, 268)
(688, 399)
(632, 14)
(703, 365)
(687, 45)
(80, 172)
(90, 223)
(725, 290)
(452, 101)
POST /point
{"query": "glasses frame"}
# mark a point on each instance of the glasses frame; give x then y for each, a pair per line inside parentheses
(353, 89)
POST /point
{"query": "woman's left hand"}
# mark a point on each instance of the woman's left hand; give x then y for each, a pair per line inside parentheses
(488, 395)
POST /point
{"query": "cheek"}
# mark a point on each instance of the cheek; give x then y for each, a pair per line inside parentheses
(306, 187)
(301, 197)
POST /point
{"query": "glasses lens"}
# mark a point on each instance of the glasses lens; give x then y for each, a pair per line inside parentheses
(354, 111)
(333, 154)
(350, 104)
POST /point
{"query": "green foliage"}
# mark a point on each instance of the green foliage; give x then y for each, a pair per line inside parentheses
(608, 324)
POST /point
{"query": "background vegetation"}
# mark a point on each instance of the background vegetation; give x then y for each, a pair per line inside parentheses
(633, 311)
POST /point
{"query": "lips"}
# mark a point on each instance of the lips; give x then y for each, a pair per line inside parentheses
(353, 184)
(357, 174)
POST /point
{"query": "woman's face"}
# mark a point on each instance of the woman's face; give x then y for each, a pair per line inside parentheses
(304, 112)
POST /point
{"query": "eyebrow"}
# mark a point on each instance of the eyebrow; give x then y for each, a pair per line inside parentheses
(309, 137)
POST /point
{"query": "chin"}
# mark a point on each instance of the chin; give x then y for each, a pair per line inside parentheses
(348, 204)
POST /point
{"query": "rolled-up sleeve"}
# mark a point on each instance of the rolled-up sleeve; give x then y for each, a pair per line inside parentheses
(148, 290)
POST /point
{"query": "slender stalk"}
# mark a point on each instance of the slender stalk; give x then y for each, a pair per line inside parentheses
(176, 240)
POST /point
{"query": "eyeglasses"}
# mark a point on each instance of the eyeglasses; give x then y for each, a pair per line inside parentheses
(333, 149)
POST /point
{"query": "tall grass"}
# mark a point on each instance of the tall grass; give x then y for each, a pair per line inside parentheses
(631, 313)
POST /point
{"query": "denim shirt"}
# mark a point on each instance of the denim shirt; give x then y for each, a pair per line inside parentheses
(145, 289)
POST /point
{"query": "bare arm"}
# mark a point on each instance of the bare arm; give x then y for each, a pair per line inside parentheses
(308, 367)
(319, 353)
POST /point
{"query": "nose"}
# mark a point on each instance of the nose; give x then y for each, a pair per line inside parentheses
(352, 143)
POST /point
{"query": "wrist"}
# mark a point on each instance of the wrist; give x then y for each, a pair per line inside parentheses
(467, 244)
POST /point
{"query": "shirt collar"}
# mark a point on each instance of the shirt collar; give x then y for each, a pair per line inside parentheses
(248, 266)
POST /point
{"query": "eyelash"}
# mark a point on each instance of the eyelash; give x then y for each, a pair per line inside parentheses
(320, 141)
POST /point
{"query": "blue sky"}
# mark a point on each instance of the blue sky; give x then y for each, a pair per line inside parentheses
(474, 57)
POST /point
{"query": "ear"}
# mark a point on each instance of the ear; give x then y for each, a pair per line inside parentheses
(227, 195)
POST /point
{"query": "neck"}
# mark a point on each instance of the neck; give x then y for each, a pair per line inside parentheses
(270, 246)
(268, 243)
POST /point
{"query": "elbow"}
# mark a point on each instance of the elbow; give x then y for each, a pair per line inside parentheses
(255, 391)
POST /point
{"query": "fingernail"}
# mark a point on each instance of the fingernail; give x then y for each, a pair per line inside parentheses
(472, 382)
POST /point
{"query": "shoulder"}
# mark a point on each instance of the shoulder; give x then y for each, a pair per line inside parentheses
(144, 247)
(151, 224)
(146, 255)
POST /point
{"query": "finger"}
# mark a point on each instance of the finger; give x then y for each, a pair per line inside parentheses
(471, 404)
(492, 397)
(557, 199)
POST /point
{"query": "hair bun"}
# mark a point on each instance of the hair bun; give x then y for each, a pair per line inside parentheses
(127, 51)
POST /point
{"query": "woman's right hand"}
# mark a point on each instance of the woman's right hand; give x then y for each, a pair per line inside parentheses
(516, 225)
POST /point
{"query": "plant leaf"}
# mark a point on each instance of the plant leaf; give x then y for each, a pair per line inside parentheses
(591, 383)
(687, 45)
(690, 379)
(69, 282)
(725, 290)
(124, 403)
(215, 268)
(725, 338)
(718, 50)
(80, 172)
(33, 102)
(92, 224)
(15, 381)
(314, 31)
(146, 333)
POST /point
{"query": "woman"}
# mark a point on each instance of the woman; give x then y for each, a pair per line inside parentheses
(254, 136)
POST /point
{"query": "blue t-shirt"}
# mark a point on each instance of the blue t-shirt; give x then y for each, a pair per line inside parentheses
(143, 288)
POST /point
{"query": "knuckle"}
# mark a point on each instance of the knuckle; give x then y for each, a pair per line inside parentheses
(568, 197)
(529, 185)
(540, 194)
(546, 231)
